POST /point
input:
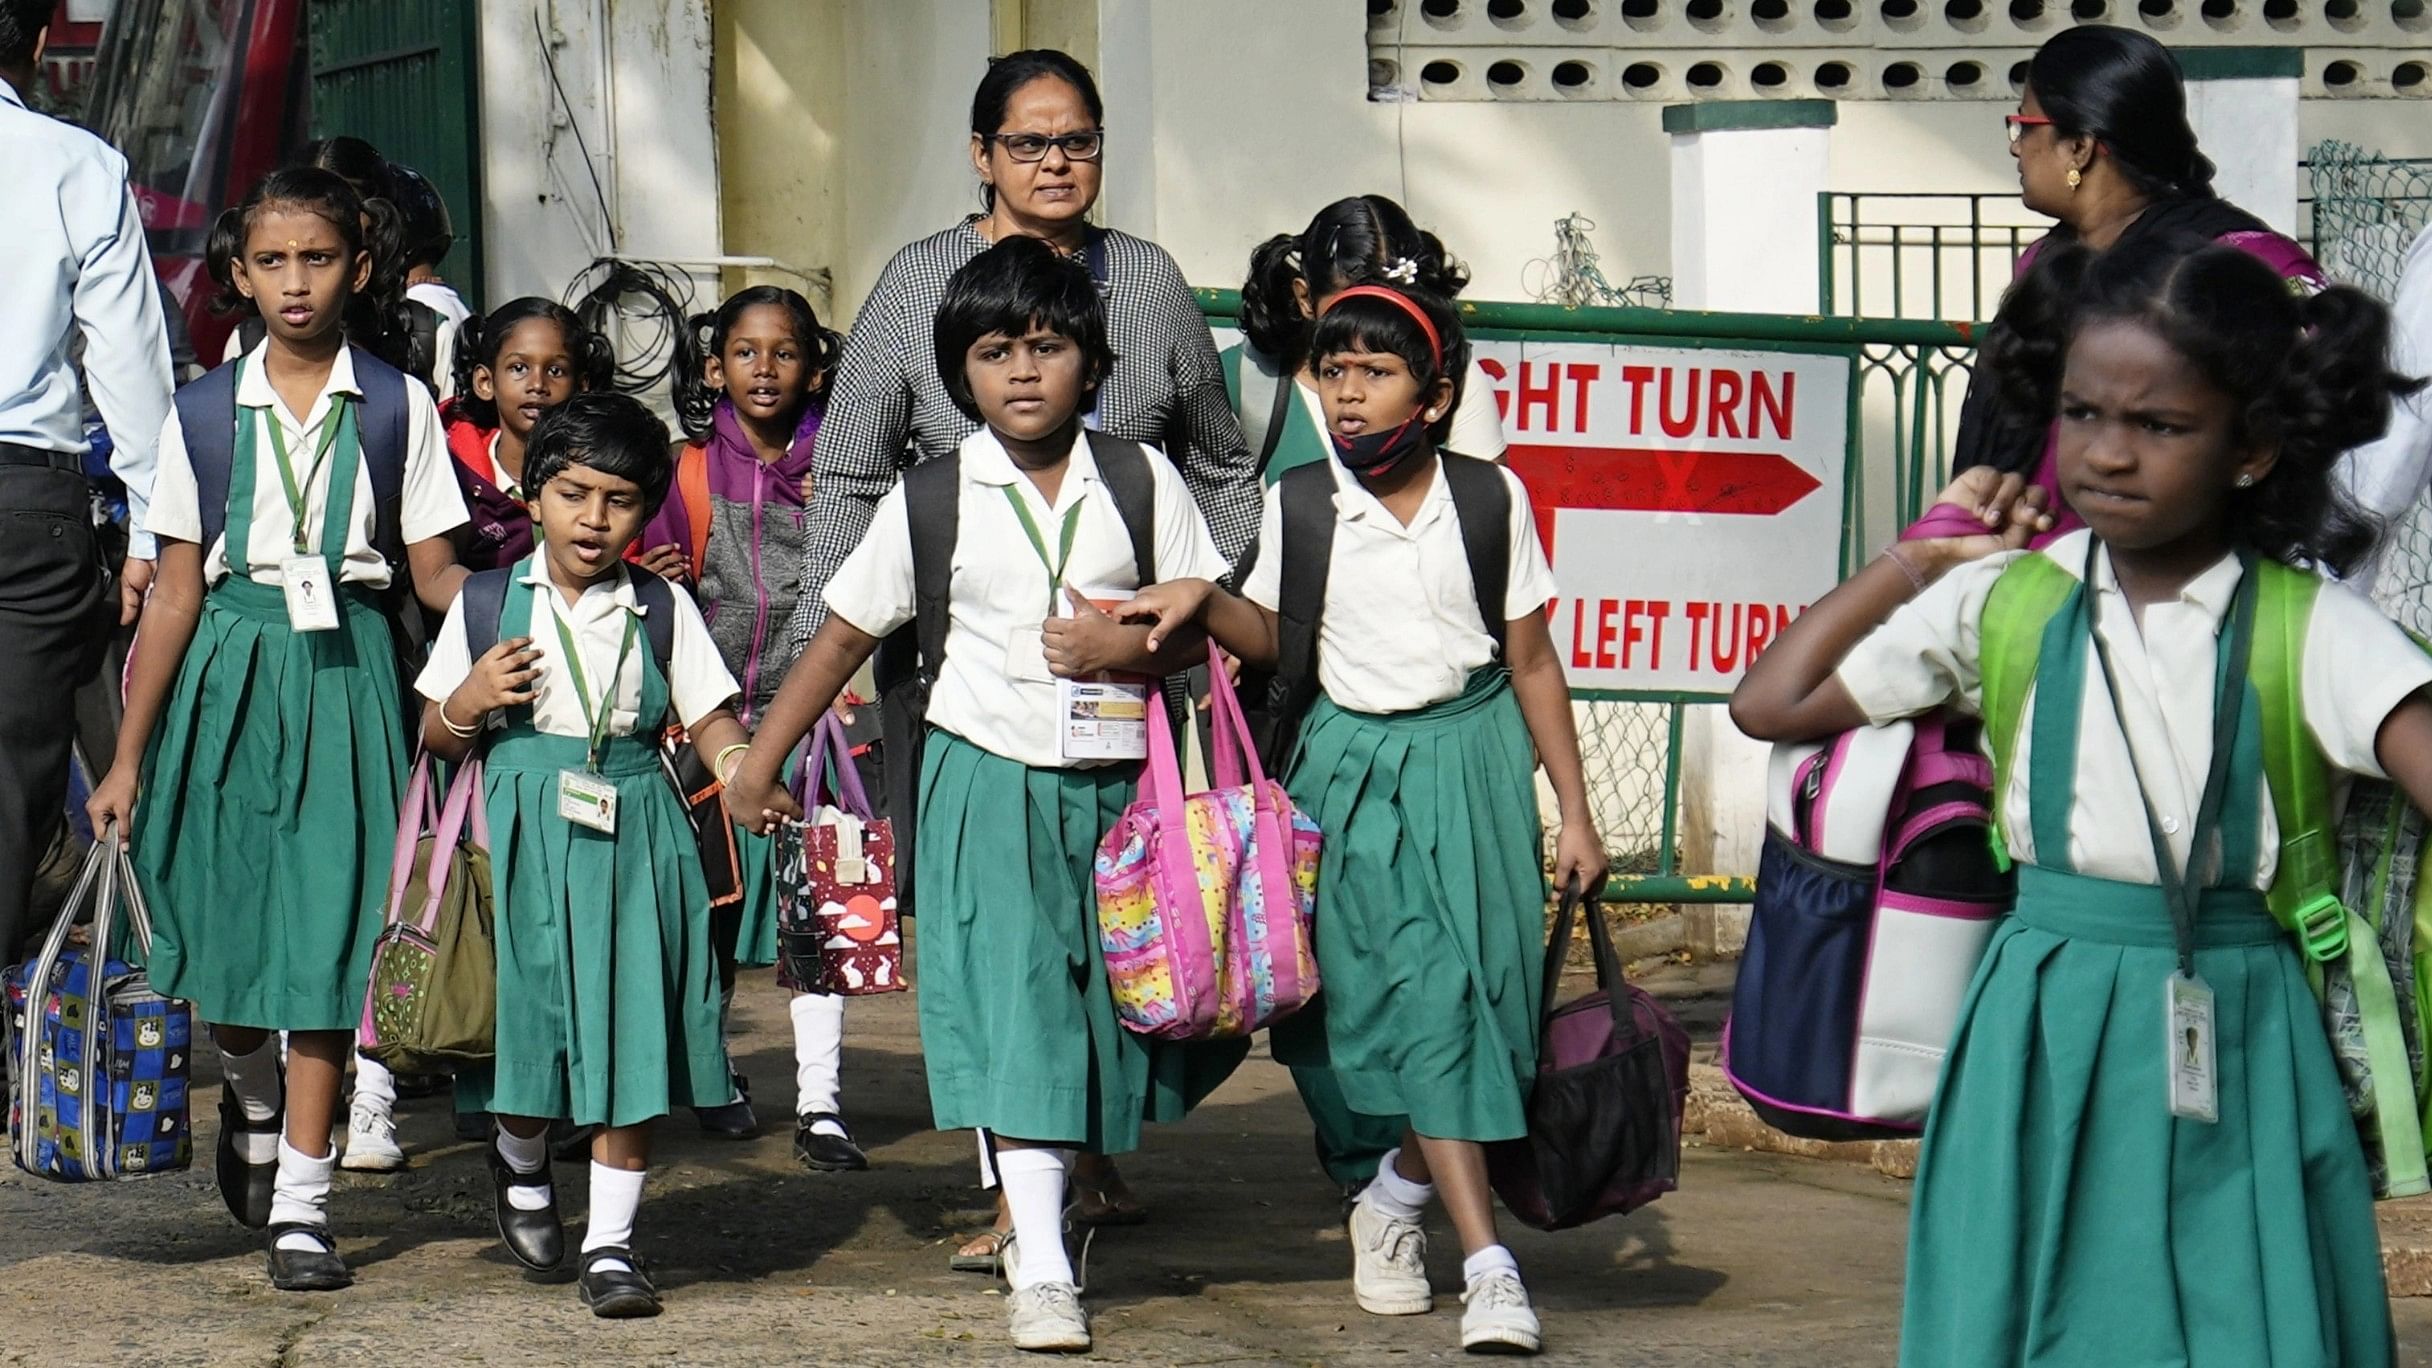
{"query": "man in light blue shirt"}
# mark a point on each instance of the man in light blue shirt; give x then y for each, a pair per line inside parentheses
(72, 259)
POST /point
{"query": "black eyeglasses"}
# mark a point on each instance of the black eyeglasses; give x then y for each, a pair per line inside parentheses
(1031, 147)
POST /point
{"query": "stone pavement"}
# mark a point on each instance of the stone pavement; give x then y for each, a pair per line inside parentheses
(1758, 1259)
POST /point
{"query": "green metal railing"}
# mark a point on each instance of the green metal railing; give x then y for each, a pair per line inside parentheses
(1919, 255)
(1903, 411)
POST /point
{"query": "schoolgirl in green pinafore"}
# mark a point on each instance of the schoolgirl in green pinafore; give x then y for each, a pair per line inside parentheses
(607, 983)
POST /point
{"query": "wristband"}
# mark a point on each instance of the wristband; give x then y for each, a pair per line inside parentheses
(1916, 580)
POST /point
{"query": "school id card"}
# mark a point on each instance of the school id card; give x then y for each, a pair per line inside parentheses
(2194, 1087)
(312, 600)
(1103, 716)
(587, 800)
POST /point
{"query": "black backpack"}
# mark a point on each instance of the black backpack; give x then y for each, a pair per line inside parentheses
(908, 661)
(1483, 503)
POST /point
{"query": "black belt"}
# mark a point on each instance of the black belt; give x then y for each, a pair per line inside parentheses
(12, 454)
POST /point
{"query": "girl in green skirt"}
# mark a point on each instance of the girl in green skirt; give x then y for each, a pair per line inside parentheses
(1417, 762)
(1017, 1024)
(607, 981)
(264, 747)
(2141, 1151)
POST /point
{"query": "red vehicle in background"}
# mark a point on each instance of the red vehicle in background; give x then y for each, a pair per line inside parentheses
(202, 96)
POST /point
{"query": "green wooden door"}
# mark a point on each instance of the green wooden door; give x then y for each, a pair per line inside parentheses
(406, 77)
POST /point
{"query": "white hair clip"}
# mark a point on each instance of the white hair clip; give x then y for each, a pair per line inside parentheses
(1403, 270)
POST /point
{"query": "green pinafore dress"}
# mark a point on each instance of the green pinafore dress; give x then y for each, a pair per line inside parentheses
(2063, 1215)
(607, 983)
(270, 786)
(1430, 919)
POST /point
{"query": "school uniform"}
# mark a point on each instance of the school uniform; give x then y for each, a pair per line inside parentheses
(1417, 765)
(2062, 1215)
(270, 785)
(607, 985)
(1017, 1025)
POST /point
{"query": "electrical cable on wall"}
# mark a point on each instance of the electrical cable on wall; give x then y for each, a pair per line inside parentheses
(641, 307)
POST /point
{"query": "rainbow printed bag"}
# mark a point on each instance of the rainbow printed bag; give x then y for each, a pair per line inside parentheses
(1204, 901)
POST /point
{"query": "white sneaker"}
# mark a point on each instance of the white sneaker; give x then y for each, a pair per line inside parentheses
(371, 1140)
(1048, 1319)
(1499, 1319)
(1389, 1263)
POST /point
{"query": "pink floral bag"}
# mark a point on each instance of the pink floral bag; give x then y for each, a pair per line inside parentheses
(1204, 900)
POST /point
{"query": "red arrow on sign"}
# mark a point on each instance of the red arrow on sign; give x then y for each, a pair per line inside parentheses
(1647, 480)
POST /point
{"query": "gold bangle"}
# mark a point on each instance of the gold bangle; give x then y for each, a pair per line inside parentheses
(718, 767)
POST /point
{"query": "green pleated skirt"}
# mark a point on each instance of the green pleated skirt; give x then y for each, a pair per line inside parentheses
(1016, 1022)
(756, 923)
(607, 982)
(2064, 1217)
(1430, 917)
(269, 811)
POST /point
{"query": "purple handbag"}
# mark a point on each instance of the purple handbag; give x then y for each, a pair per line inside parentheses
(1604, 1117)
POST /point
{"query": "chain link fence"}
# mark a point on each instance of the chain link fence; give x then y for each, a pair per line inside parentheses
(2367, 211)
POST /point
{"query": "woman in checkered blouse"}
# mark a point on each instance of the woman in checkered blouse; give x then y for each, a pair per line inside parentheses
(1036, 143)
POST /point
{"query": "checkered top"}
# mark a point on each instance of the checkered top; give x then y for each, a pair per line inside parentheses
(889, 409)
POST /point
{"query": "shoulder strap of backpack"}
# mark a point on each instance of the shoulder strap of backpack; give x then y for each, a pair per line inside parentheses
(2304, 895)
(933, 508)
(2029, 591)
(658, 602)
(692, 488)
(1306, 494)
(480, 600)
(206, 417)
(386, 392)
(1124, 467)
(1484, 503)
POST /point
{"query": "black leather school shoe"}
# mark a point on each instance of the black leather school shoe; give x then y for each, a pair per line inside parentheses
(246, 1188)
(827, 1153)
(306, 1270)
(537, 1239)
(616, 1293)
(733, 1120)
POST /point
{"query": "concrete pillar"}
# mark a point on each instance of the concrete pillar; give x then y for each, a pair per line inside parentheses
(1745, 180)
(1745, 177)
(2243, 103)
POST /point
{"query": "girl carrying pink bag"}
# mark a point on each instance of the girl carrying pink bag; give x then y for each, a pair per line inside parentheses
(1204, 900)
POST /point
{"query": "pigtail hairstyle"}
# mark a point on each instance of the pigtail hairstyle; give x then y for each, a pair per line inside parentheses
(1362, 240)
(1365, 323)
(483, 337)
(704, 335)
(379, 319)
(317, 192)
(2312, 375)
(2028, 339)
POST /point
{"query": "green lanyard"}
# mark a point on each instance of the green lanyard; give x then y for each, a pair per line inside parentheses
(595, 718)
(1030, 528)
(340, 415)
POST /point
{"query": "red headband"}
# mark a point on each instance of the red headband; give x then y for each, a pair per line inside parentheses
(1435, 343)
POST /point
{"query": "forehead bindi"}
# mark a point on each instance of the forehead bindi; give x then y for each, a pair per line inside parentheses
(279, 228)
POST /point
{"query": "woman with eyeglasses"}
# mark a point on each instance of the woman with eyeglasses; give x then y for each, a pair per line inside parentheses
(1037, 146)
(2102, 143)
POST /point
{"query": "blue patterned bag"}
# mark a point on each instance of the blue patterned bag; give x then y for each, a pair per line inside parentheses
(97, 1086)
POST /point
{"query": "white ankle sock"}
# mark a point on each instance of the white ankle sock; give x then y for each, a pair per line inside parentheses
(374, 1084)
(616, 1197)
(526, 1156)
(1395, 1195)
(301, 1193)
(1492, 1259)
(1034, 1189)
(254, 1078)
(818, 1055)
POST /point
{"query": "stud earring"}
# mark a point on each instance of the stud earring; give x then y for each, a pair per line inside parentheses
(2246, 482)
(2075, 177)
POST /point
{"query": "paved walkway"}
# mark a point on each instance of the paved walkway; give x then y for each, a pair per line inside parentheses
(1758, 1259)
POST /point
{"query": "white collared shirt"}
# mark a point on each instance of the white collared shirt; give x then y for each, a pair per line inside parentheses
(433, 505)
(698, 682)
(2356, 666)
(1400, 629)
(72, 259)
(999, 590)
(443, 300)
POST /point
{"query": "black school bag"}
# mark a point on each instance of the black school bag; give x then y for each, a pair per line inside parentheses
(1483, 503)
(908, 661)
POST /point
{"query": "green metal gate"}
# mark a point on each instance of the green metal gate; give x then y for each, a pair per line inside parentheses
(406, 78)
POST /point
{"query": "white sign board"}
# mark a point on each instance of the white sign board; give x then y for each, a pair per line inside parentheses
(1691, 499)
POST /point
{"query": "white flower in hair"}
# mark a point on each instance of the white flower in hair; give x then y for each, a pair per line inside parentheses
(1403, 270)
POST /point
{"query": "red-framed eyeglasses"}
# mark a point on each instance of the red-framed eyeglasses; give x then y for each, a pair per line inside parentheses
(2018, 124)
